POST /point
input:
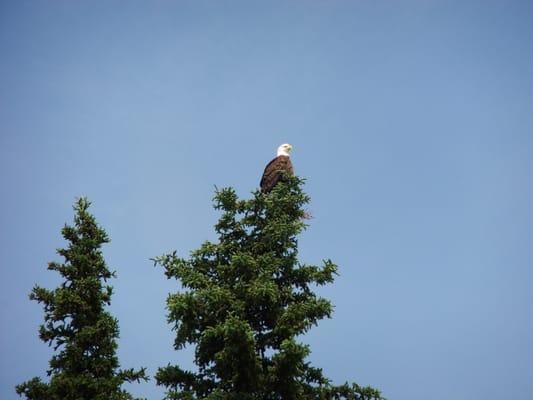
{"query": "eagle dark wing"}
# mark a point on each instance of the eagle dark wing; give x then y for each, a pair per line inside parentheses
(274, 172)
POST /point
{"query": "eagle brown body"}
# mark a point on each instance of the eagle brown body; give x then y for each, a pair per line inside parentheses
(274, 172)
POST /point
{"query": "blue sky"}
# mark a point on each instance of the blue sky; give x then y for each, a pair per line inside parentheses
(411, 120)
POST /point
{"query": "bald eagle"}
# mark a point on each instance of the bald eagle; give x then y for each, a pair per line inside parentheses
(274, 170)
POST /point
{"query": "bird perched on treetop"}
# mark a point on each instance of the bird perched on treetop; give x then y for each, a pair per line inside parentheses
(276, 168)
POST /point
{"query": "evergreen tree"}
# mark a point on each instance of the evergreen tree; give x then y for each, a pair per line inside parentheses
(83, 333)
(245, 301)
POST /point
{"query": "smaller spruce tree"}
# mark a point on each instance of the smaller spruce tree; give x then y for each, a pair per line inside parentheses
(76, 323)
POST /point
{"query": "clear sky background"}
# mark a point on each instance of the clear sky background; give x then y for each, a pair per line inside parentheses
(412, 121)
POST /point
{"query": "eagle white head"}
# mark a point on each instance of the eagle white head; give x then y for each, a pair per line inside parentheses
(284, 150)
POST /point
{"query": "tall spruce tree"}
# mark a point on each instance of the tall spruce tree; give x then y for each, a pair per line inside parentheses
(76, 323)
(244, 302)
